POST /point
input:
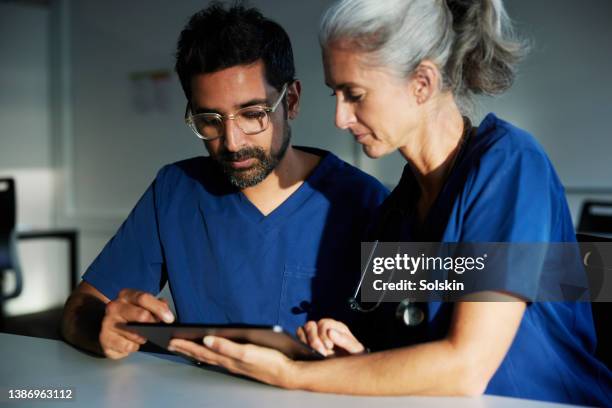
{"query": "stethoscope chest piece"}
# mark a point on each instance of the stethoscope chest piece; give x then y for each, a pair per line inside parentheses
(409, 313)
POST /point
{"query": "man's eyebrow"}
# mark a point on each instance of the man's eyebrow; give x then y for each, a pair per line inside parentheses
(251, 102)
(204, 109)
(254, 101)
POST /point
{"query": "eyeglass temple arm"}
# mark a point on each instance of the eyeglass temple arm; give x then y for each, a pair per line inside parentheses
(188, 110)
(280, 98)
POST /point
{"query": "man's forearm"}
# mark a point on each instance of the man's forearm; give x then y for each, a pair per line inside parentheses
(81, 321)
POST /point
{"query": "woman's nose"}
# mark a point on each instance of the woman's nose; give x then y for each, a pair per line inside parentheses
(344, 114)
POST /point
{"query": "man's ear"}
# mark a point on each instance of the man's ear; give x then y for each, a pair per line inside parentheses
(425, 81)
(293, 99)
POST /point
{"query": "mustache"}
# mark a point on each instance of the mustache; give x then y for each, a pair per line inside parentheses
(243, 154)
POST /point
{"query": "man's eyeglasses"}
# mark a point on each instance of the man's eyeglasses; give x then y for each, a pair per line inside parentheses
(251, 120)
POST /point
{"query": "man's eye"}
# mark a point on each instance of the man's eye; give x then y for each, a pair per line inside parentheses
(253, 114)
(207, 121)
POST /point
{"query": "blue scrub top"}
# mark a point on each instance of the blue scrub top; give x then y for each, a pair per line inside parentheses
(503, 188)
(226, 262)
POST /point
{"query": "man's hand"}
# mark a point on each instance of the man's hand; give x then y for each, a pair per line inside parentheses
(330, 337)
(130, 306)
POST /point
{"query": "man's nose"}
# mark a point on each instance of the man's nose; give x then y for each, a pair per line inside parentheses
(233, 135)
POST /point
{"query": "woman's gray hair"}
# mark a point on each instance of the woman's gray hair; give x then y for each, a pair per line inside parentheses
(471, 41)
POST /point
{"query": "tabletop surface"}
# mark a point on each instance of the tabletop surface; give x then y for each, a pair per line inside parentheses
(157, 380)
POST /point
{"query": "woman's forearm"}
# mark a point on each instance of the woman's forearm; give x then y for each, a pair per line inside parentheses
(435, 368)
(461, 364)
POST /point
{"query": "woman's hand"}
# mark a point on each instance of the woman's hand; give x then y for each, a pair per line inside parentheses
(330, 337)
(263, 364)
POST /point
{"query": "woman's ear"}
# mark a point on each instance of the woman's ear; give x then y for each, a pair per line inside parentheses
(293, 99)
(425, 81)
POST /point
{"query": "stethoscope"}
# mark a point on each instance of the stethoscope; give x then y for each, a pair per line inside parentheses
(407, 311)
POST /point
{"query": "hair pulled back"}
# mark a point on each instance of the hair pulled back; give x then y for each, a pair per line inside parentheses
(471, 41)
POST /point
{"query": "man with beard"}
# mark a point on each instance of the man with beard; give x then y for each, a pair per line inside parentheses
(259, 232)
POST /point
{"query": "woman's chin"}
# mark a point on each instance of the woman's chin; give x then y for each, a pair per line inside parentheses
(374, 152)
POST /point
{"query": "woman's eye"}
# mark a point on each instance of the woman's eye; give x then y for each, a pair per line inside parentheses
(349, 97)
(354, 97)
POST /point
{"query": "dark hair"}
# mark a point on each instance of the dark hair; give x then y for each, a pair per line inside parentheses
(216, 38)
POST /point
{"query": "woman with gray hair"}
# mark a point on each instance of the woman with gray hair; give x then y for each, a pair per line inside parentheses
(404, 73)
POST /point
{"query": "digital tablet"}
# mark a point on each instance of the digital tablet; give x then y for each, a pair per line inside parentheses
(268, 336)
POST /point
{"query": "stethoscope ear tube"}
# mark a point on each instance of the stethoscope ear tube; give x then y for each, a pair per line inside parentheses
(353, 299)
(407, 312)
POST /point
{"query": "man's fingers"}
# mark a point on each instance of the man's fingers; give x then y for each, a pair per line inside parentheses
(131, 336)
(149, 302)
(346, 341)
(130, 312)
(114, 355)
(114, 323)
(116, 346)
(130, 306)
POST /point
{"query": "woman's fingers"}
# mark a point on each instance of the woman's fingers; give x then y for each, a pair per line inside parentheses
(328, 336)
(322, 329)
(313, 339)
(346, 341)
(301, 335)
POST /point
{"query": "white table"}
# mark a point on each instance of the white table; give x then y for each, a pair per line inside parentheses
(156, 380)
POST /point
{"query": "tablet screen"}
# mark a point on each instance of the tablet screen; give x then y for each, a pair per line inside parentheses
(268, 336)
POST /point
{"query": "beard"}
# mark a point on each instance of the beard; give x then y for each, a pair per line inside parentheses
(265, 162)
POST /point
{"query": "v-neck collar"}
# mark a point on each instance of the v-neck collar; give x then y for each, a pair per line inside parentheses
(253, 215)
(294, 201)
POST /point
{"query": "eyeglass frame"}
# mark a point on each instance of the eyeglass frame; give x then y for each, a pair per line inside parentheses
(232, 116)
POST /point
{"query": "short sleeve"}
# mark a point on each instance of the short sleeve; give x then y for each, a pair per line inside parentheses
(133, 257)
(510, 199)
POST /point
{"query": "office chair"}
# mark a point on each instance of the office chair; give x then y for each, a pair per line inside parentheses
(38, 324)
(9, 261)
(601, 310)
(594, 226)
(596, 218)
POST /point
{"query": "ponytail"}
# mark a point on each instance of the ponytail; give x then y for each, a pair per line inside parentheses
(485, 52)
